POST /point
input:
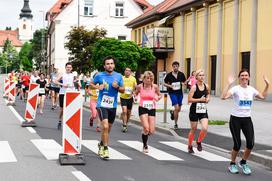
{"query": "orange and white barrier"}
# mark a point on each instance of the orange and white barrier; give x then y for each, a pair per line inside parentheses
(32, 99)
(6, 87)
(72, 129)
(12, 93)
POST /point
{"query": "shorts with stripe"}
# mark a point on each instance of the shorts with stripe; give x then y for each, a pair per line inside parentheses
(106, 113)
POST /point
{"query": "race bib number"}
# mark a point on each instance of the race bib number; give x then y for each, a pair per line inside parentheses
(201, 108)
(176, 85)
(128, 90)
(107, 101)
(245, 104)
(41, 91)
(148, 105)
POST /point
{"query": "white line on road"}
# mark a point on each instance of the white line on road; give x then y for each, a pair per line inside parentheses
(153, 152)
(114, 155)
(31, 130)
(6, 154)
(48, 147)
(80, 176)
(203, 154)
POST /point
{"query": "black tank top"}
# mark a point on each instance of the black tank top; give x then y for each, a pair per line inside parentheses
(198, 94)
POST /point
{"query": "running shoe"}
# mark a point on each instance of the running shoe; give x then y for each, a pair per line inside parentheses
(199, 146)
(245, 167)
(59, 125)
(98, 129)
(172, 115)
(91, 122)
(233, 169)
(190, 149)
(175, 126)
(124, 129)
(145, 149)
(100, 150)
(106, 154)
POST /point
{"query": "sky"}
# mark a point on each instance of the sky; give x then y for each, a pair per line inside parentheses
(10, 10)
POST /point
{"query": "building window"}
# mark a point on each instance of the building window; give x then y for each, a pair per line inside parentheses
(119, 9)
(24, 26)
(122, 37)
(88, 8)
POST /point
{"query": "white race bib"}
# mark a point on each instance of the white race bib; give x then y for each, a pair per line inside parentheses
(176, 85)
(107, 101)
(201, 108)
(41, 91)
(148, 105)
(128, 90)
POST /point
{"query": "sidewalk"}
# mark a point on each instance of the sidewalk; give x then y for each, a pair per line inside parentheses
(218, 135)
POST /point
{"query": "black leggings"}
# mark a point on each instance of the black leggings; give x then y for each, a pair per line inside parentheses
(245, 124)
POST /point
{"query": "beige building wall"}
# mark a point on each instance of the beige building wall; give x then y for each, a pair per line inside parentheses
(245, 25)
(199, 38)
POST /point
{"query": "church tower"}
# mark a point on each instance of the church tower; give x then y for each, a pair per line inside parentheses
(25, 26)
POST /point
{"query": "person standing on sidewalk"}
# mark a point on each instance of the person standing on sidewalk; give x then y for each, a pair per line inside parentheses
(54, 89)
(199, 96)
(66, 81)
(149, 93)
(93, 101)
(127, 98)
(109, 84)
(173, 81)
(240, 119)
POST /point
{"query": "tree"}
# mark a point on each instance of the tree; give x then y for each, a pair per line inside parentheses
(81, 44)
(26, 56)
(9, 57)
(38, 50)
(127, 53)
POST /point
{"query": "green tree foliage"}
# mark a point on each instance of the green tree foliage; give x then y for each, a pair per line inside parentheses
(38, 50)
(9, 57)
(81, 44)
(127, 53)
(26, 56)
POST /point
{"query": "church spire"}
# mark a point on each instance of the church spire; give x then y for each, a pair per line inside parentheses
(26, 11)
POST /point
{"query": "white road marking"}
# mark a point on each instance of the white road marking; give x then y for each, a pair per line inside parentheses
(48, 147)
(203, 154)
(6, 153)
(80, 176)
(153, 152)
(31, 130)
(114, 155)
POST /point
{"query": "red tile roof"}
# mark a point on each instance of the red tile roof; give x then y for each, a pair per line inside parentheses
(12, 35)
(144, 3)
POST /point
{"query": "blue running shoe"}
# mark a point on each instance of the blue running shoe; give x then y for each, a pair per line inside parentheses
(233, 169)
(245, 167)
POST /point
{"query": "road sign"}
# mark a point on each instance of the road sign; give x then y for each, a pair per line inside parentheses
(12, 93)
(6, 88)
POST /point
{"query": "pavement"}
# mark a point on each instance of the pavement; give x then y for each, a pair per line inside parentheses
(219, 136)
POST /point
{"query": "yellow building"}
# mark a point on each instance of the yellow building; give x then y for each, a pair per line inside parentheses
(219, 36)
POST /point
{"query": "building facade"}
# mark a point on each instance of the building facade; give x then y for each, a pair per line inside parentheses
(219, 36)
(111, 15)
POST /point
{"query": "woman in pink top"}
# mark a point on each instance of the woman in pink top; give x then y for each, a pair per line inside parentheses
(191, 81)
(149, 94)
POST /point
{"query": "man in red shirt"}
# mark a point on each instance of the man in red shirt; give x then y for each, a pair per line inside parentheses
(25, 79)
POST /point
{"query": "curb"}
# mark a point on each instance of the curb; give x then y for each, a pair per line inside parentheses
(255, 157)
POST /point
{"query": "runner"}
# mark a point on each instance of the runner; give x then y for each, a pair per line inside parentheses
(199, 96)
(93, 101)
(109, 83)
(25, 79)
(191, 81)
(240, 118)
(66, 81)
(54, 89)
(34, 77)
(127, 98)
(42, 82)
(149, 93)
(173, 81)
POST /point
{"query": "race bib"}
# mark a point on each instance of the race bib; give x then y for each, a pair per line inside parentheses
(176, 85)
(201, 108)
(41, 91)
(148, 105)
(128, 90)
(245, 104)
(107, 101)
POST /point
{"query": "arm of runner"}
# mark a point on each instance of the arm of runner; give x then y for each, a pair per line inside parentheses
(208, 93)
(136, 92)
(264, 94)
(119, 85)
(226, 92)
(193, 100)
(157, 90)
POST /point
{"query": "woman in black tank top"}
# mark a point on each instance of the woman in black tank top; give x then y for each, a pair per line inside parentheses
(199, 96)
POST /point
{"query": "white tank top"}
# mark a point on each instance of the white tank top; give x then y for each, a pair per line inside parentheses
(67, 79)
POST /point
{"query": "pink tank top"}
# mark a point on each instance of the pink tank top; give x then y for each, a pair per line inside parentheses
(147, 97)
